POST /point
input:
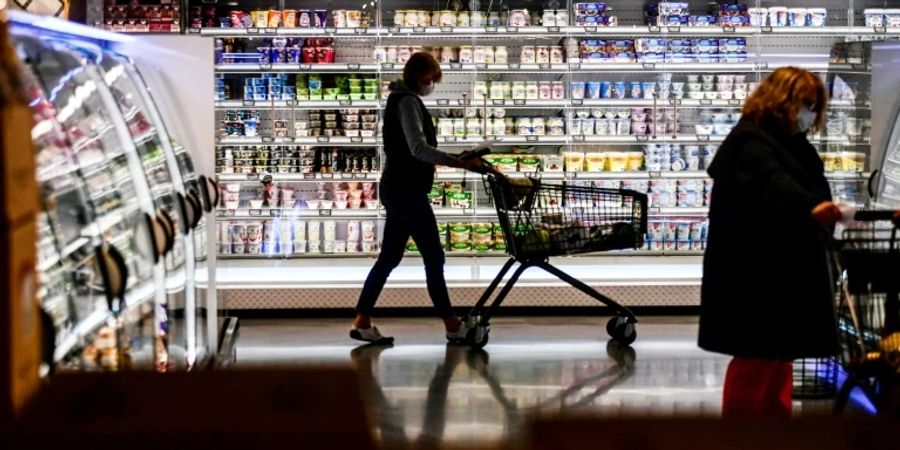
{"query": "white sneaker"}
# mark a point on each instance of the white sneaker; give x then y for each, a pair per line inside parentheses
(458, 336)
(371, 335)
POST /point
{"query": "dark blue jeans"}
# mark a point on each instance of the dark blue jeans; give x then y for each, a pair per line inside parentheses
(407, 215)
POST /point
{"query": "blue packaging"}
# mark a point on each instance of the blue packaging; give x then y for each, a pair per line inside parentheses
(605, 89)
(703, 21)
(593, 90)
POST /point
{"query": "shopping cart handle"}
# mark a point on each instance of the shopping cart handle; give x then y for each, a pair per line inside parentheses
(478, 153)
(876, 215)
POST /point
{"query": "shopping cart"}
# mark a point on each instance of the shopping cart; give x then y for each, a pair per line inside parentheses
(868, 313)
(541, 220)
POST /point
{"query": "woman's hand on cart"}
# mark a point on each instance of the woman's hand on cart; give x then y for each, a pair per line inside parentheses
(827, 213)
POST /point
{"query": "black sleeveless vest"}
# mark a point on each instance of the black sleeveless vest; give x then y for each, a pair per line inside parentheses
(401, 170)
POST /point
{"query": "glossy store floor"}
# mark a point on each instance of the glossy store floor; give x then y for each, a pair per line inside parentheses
(424, 391)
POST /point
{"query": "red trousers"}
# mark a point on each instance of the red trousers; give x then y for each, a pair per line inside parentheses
(758, 388)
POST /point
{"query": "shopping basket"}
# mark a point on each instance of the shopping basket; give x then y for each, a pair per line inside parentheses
(541, 220)
(868, 313)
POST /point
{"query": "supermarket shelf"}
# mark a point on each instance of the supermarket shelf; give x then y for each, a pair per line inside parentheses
(297, 104)
(659, 212)
(607, 269)
(263, 213)
(515, 32)
(297, 68)
(545, 176)
(254, 177)
(508, 103)
(582, 66)
(312, 140)
(448, 253)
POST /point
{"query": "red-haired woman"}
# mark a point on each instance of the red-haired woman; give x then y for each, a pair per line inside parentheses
(767, 295)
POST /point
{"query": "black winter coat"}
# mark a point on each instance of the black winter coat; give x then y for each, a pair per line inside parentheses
(767, 286)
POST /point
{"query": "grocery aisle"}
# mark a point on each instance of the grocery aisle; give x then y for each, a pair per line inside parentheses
(424, 391)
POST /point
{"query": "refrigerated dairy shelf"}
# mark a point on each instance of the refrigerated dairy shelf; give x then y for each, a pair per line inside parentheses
(537, 32)
(439, 212)
(586, 66)
(329, 141)
(545, 176)
(451, 254)
(507, 103)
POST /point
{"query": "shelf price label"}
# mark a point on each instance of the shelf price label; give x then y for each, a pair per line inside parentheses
(490, 29)
(304, 67)
(553, 29)
(265, 67)
(271, 30)
(325, 212)
(519, 102)
(327, 176)
(361, 30)
(455, 66)
(464, 102)
(323, 139)
(481, 66)
(644, 138)
(650, 66)
(675, 29)
(443, 102)
(575, 66)
(393, 29)
(252, 31)
(706, 102)
(544, 66)
(252, 176)
(655, 210)
(703, 137)
(590, 29)
(861, 67)
(330, 30)
(352, 66)
(449, 138)
(268, 139)
(446, 29)
(578, 138)
(249, 103)
(419, 29)
(674, 102)
(356, 140)
(880, 30)
(765, 29)
(309, 176)
(275, 212)
(734, 102)
(345, 102)
(511, 29)
(654, 174)
(577, 102)
(500, 102)
(728, 29)
(514, 66)
(653, 29)
(531, 138)
(387, 66)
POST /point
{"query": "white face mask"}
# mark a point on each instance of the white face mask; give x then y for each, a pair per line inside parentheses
(805, 119)
(428, 89)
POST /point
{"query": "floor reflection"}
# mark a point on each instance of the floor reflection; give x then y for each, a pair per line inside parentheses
(424, 392)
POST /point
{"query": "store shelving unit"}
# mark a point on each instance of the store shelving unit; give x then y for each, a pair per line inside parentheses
(768, 48)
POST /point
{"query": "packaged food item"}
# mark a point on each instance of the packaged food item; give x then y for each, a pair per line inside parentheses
(459, 199)
(874, 17)
(574, 161)
(595, 162)
(797, 17)
(892, 18)
(552, 163)
(529, 163)
(817, 17)
(460, 232)
(482, 233)
(506, 163)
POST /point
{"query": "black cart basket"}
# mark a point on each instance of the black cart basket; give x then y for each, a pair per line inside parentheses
(542, 220)
(868, 311)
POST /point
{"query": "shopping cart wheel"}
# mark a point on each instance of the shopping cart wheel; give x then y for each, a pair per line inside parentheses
(621, 330)
(477, 337)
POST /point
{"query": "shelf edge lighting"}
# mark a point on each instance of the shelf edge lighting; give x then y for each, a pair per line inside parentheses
(60, 26)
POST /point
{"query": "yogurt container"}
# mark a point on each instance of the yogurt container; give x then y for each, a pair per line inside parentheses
(759, 17)
(892, 18)
(778, 16)
(817, 17)
(874, 17)
(797, 17)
